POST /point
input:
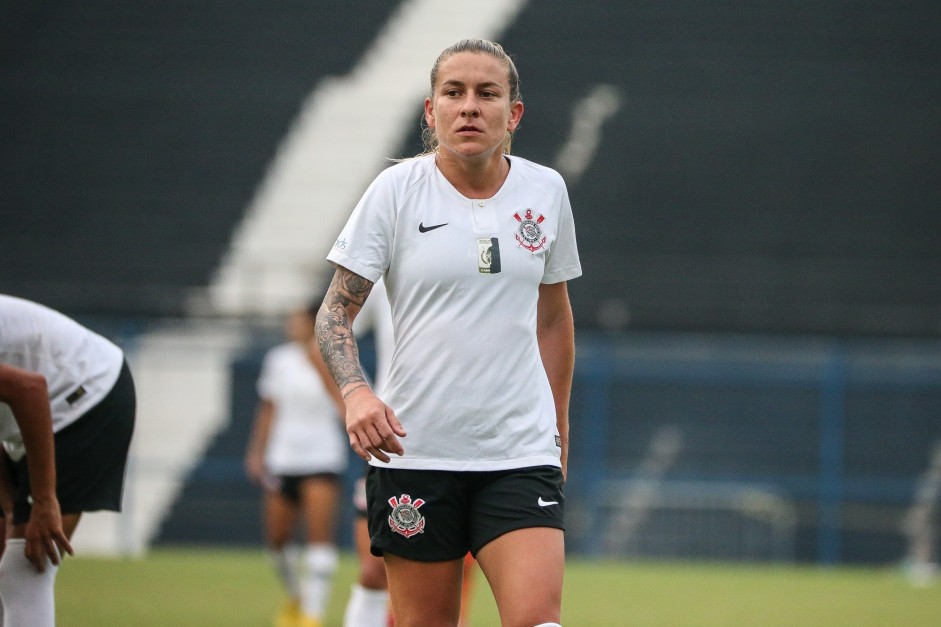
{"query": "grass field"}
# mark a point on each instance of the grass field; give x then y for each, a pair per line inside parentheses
(203, 587)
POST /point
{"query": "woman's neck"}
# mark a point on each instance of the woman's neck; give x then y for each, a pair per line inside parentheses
(474, 179)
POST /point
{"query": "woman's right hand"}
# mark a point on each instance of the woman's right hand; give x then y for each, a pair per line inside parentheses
(373, 428)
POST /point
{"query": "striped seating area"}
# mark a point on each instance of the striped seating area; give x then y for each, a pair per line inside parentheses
(135, 136)
(760, 168)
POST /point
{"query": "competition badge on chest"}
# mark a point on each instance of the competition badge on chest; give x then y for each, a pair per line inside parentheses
(488, 255)
(529, 234)
(405, 518)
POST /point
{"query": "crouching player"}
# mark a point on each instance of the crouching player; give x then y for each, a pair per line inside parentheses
(67, 407)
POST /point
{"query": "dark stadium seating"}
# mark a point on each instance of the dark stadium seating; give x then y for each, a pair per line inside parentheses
(771, 167)
(217, 492)
(769, 171)
(134, 135)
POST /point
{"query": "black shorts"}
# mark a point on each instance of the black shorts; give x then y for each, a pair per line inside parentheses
(435, 515)
(289, 486)
(91, 456)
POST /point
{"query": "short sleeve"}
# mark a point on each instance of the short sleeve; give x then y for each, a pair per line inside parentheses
(365, 243)
(563, 263)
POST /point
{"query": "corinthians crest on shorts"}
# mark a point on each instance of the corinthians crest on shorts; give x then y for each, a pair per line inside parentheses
(405, 518)
(529, 234)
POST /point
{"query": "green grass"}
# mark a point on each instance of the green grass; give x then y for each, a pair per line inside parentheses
(203, 587)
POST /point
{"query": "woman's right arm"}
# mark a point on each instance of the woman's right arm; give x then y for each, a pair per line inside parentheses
(372, 426)
(258, 442)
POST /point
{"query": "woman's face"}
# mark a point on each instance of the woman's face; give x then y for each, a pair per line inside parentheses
(470, 109)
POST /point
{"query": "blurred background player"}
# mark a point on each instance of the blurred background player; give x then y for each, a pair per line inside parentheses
(56, 377)
(297, 453)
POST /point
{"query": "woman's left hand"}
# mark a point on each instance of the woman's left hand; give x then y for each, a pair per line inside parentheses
(44, 535)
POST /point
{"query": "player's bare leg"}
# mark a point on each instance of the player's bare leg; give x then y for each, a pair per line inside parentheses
(319, 498)
(278, 518)
(424, 594)
(525, 568)
(467, 588)
(369, 598)
(69, 523)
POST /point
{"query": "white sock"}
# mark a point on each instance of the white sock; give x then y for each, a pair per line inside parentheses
(320, 561)
(28, 595)
(285, 561)
(548, 625)
(366, 608)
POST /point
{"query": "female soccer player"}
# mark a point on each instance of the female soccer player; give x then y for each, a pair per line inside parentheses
(468, 446)
(56, 377)
(297, 453)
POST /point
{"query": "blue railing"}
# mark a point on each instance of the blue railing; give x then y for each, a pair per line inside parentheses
(759, 422)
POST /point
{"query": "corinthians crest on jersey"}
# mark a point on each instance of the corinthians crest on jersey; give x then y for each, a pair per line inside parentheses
(529, 234)
(405, 518)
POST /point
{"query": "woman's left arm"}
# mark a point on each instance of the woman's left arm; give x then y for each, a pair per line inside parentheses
(27, 395)
(555, 331)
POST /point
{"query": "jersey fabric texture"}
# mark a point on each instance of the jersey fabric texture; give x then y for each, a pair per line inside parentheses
(306, 436)
(462, 276)
(79, 365)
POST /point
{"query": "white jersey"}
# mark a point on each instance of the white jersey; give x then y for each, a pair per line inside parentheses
(463, 275)
(79, 365)
(306, 436)
(375, 316)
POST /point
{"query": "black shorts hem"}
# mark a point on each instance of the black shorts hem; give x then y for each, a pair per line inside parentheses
(288, 487)
(379, 552)
(530, 523)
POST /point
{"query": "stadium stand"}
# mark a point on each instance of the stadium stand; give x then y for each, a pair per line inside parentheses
(769, 168)
(216, 487)
(135, 136)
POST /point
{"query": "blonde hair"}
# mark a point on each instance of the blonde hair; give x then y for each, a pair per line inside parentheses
(481, 46)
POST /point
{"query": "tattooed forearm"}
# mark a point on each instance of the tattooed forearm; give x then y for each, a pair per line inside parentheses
(344, 299)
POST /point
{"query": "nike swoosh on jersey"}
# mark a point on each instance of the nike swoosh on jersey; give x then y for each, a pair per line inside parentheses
(546, 503)
(424, 229)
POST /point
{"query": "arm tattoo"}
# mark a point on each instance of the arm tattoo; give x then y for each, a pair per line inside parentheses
(344, 299)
